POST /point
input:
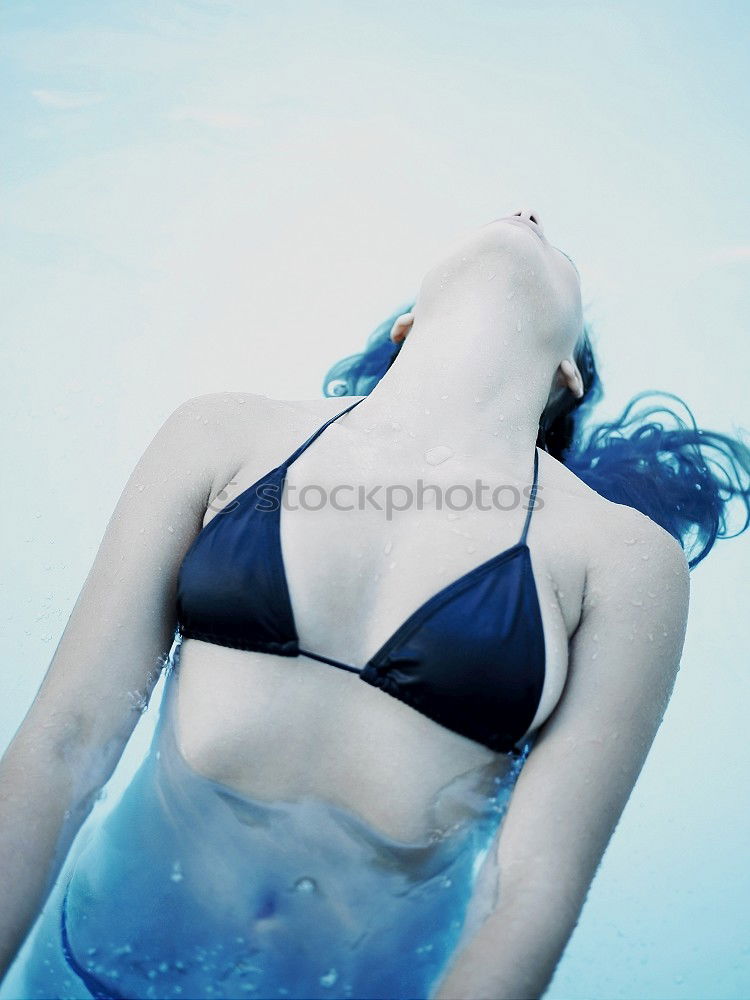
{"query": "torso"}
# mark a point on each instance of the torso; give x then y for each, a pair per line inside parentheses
(277, 727)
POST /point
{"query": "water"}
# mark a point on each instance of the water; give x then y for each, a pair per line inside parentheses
(187, 888)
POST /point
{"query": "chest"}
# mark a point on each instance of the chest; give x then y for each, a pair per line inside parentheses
(344, 560)
(356, 550)
(360, 554)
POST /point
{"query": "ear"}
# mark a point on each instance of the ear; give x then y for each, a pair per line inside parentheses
(400, 329)
(569, 376)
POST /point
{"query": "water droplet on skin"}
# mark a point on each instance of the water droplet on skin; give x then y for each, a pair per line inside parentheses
(387, 547)
(440, 453)
(501, 417)
(305, 884)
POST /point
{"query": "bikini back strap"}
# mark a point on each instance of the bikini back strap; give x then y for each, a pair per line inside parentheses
(532, 497)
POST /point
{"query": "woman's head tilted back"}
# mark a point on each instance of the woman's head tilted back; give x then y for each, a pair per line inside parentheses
(506, 276)
(504, 294)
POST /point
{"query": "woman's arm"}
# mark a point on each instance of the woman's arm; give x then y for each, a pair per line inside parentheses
(106, 663)
(624, 658)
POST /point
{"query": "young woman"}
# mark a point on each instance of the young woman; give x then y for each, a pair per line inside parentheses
(513, 598)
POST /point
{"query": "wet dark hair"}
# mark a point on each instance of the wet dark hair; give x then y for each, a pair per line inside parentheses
(680, 476)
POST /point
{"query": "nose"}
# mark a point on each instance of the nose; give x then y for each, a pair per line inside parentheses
(533, 217)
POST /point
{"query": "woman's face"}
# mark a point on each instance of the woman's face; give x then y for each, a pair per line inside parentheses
(510, 265)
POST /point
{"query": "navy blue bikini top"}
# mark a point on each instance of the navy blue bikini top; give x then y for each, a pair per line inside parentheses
(471, 658)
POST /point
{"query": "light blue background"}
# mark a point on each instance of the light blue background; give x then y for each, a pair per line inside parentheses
(197, 193)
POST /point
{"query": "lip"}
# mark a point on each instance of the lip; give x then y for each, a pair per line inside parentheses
(516, 220)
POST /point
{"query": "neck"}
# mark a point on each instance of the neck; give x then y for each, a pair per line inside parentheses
(483, 402)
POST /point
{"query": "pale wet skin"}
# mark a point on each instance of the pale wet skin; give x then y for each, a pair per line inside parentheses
(275, 727)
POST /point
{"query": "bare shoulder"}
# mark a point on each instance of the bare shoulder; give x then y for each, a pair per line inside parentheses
(232, 414)
(223, 413)
(632, 550)
(227, 419)
(620, 541)
(231, 427)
